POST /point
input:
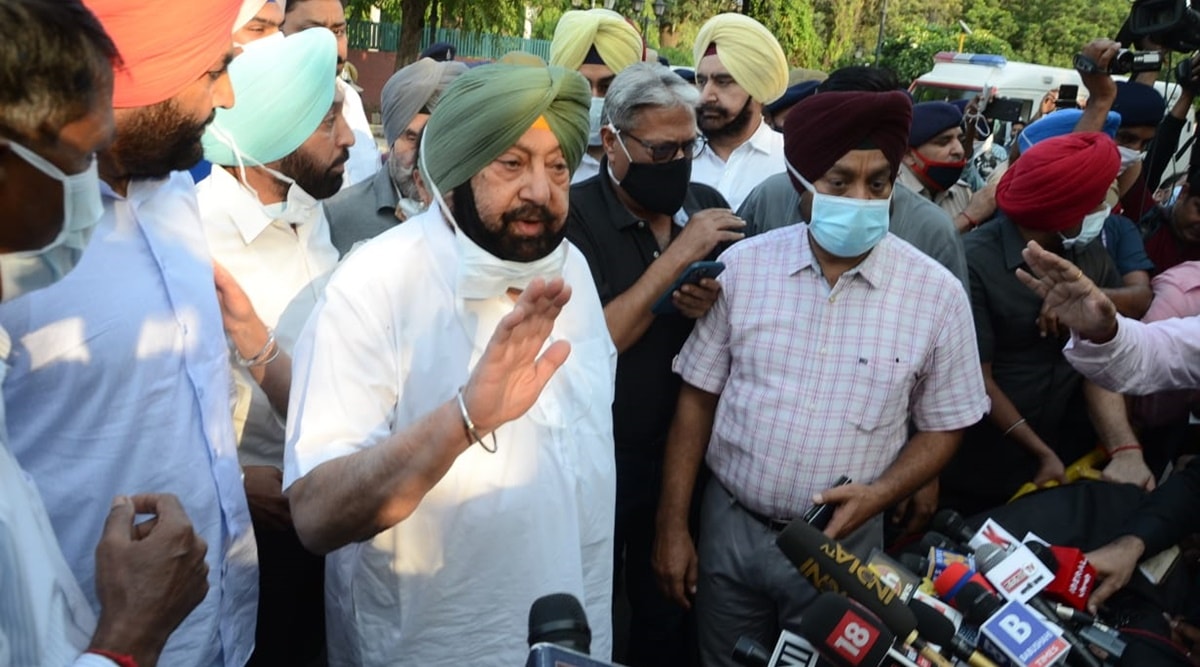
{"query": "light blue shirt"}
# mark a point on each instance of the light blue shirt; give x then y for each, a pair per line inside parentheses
(119, 384)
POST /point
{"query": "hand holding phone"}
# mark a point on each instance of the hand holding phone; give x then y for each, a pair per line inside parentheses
(693, 274)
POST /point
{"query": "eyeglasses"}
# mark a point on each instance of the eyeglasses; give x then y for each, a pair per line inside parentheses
(666, 151)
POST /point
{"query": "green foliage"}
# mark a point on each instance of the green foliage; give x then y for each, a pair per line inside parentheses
(911, 53)
(677, 57)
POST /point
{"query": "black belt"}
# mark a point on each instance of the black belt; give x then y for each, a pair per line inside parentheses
(776, 525)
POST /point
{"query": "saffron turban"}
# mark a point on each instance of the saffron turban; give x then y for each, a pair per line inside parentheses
(1059, 181)
(823, 128)
(1059, 123)
(485, 111)
(164, 46)
(284, 89)
(415, 87)
(930, 119)
(1138, 104)
(748, 51)
(578, 31)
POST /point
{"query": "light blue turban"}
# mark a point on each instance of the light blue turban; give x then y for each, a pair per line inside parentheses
(1062, 122)
(283, 88)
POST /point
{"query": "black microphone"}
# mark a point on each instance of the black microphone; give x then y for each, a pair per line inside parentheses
(977, 603)
(953, 524)
(936, 540)
(938, 629)
(831, 567)
(846, 634)
(916, 564)
(749, 653)
(559, 619)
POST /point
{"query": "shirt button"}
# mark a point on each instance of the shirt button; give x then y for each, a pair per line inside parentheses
(655, 254)
(641, 224)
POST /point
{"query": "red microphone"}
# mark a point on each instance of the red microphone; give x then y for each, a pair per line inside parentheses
(1074, 576)
(953, 578)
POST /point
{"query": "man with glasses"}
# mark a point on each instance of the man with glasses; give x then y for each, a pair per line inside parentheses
(641, 223)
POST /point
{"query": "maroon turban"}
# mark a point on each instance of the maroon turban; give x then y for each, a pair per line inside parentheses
(1059, 181)
(824, 127)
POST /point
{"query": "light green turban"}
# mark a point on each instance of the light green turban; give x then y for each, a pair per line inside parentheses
(617, 42)
(283, 88)
(748, 51)
(485, 111)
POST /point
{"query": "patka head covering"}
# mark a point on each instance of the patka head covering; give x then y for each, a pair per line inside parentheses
(1138, 104)
(748, 51)
(1059, 123)
(1059, 181)
(485, 111)
(415, 87)
(250, 9)
(164, 46)
(930, 119)
(821, 129)
(579, 31)
(284, 88)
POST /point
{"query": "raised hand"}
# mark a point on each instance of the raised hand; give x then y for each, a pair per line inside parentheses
(1068, 295)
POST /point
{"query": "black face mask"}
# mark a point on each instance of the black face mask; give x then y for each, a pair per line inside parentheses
(658, 187)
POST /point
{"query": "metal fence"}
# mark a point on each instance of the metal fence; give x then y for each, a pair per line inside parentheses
(369, 36)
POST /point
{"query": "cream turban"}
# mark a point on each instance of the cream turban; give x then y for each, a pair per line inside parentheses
(749, 51)
(415, 87)
(617, 42)
(485, 111)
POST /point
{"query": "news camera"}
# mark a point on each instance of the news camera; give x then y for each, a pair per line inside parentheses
(1174, 24)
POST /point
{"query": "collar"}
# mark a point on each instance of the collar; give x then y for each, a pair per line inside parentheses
(908, 179)
(385, 190)
(243, 208)
(874, 268)
(1011, 242)
(764, 138)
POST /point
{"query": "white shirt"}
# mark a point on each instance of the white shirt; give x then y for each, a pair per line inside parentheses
(281, 268)
(44, 618)
(588, 167)
(120, 385)
(751, 163)
(365, 158)
(452, 584)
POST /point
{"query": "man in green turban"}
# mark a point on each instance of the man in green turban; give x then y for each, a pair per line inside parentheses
(452, 479)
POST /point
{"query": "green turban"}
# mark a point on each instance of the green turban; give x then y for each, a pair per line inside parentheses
(283, 87)
(617, 42)
(485, 111)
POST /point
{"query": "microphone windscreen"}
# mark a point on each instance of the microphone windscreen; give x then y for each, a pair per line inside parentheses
(931, 624)
(977, 603)
(846, 634)
(916, 564)
(989, 556)
(830, 566)
(951, 523)
(559, 619)
(1044, 554)
(935, 540)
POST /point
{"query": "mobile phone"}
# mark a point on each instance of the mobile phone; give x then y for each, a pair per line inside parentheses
(818, 516)
(1068, 97)
(690, 276)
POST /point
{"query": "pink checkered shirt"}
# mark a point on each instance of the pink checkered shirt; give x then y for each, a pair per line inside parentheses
(817, 383)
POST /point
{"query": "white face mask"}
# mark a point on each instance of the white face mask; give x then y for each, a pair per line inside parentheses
(1093, 223)
(595, 121)
(1129, 157)
(22, 272)
(297, 208)
(482, 275)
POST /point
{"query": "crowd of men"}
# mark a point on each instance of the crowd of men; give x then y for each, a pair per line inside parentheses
(273, 397)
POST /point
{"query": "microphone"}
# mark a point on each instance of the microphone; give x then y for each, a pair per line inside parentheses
(953, 524)
(915, 563)
(830, 567)
(1013, 630)
(938, 629)
(847, 634)
(1074, 576)
(950, 583)
(749, 653)
(936, 540)
(559, 619)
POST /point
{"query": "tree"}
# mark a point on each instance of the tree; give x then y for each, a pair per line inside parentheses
(911, 53)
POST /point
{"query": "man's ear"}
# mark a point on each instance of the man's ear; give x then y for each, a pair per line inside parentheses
(909, 158)
(608, 140)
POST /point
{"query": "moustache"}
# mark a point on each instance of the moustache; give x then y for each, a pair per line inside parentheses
(712, 108)
(529, 213)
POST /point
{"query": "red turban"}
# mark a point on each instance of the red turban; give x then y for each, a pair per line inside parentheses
(1059, 181)
(164, 46)
(824, 127)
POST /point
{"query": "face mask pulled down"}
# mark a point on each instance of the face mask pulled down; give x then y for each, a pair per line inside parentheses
(1093, 223)
(22, 272)
(845, 226)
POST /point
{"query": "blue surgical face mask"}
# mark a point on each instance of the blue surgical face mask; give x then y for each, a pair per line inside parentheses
(845, 226)
(1092, 224)
(595, 121)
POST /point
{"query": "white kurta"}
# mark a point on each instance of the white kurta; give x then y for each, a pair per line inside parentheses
(453, 583)
(365, 158)
(119, 384)
(281, 268)
(748, 165)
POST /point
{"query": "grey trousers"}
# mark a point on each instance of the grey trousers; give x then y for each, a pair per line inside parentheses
(746, 586)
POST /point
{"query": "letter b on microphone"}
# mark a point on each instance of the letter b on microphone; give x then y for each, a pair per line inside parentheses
(1017, 629)
(853, 638)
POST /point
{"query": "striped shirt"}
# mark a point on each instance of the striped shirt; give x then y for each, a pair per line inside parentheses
(818, 382)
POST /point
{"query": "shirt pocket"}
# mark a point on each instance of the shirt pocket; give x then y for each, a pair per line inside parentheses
(879, 393)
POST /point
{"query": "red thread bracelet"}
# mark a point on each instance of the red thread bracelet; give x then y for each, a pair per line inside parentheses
(121, 659)
(1124, 448)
